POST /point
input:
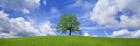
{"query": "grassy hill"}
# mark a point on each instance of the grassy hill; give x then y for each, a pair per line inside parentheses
(69, 41)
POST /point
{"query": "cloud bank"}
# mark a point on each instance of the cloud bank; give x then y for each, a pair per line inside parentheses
(124, 33)
(19, 27)
(121, 14)
(20, 5)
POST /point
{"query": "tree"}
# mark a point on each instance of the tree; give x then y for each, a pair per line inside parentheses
(68, 22)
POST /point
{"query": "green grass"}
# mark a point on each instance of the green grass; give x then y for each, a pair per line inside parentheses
(69, 41)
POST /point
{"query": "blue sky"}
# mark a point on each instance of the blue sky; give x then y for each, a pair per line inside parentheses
(97, 17)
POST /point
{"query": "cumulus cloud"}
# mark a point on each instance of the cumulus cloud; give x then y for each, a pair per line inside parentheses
(106, 11)
(19, 27)
(103, 13)
(45, 29)
(121, 14)
(124, 33)
(20, 5)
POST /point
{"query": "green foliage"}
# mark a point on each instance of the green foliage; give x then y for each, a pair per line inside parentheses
(68, 22)
(70, 41)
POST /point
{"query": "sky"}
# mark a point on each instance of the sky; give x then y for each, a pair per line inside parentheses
(98, 18)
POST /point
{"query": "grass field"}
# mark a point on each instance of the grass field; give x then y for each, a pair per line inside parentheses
(69, 41)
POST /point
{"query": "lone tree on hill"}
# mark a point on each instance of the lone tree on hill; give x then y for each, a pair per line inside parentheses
(68, 22)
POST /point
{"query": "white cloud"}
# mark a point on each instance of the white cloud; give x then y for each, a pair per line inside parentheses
(22, 27)
(132, 22)
(50, 33)
(19, 27)
(105, 12)
(19, 4)
(124, 33)
(25, 11)
(45, 29)
(86, 34)
(6, 35)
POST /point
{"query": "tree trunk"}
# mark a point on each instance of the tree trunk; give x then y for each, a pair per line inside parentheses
(70, 32)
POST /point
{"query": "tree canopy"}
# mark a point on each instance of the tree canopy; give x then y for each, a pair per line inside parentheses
(68, 22)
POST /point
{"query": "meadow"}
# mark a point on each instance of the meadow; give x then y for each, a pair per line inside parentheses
(69, 41)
